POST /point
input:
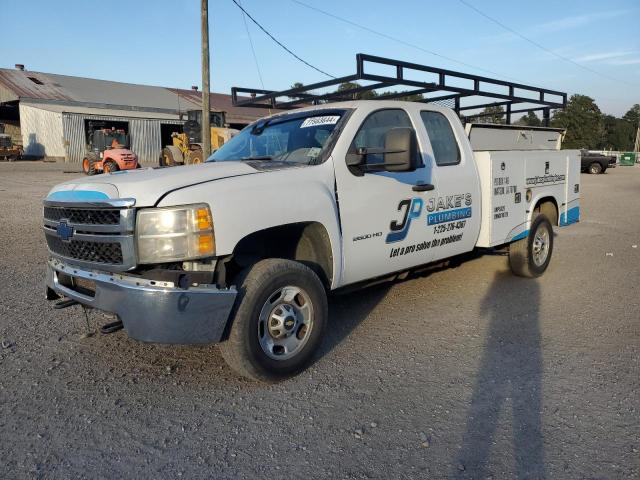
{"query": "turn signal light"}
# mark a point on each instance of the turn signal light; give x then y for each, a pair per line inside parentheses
(203, 219)
(206, 244)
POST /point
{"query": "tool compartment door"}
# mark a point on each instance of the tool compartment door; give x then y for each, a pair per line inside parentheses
(502, 178)
(570, 211)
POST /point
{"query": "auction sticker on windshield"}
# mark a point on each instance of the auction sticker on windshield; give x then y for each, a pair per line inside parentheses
(315, 121)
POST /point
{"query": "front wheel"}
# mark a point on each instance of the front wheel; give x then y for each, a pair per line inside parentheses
(194, 157)
(595, 168)
(110, 166)
(278, 320)
(530, 256)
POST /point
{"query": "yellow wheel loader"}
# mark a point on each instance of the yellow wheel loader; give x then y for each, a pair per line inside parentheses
(186, 148)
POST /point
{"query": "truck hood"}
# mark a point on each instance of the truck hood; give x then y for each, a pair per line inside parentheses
(146, 185)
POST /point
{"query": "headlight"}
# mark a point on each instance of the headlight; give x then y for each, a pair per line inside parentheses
(174, 233)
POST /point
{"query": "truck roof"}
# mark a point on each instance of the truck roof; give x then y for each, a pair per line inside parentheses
(352, 104)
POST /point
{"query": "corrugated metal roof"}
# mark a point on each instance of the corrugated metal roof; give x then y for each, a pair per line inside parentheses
(21, 84)
(80, 94)
(49, 86)
(116, 93)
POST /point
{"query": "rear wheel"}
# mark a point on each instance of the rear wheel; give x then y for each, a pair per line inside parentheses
(110, 166)
(530, 256)
(171, 156)
(88, 166)
(595, 168)
(278, 320)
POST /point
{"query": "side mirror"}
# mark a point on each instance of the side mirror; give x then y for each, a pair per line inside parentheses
(399, 153)
(400, 147)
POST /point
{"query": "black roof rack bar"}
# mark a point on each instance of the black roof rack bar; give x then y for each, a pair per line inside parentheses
(492, 104)
(340, 96)
(292, 92)
(363, 57)
(476, 91)
(510, 96)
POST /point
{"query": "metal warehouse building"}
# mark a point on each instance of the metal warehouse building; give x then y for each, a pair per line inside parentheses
(49, 114)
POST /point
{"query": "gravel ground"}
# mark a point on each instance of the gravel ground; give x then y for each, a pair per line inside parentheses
(466, 372)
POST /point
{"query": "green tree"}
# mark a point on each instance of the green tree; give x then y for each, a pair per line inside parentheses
(492, 114)
(619, 134)
(530, 120)
(583, 121)
(633, 115)
(296, 85)
(366, 95)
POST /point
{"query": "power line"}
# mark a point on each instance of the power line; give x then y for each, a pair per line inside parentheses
(253, 50)
(279, 43)
(538, 45)
(399, 40)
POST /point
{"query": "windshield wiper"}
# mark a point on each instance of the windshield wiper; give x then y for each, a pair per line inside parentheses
(260, 157)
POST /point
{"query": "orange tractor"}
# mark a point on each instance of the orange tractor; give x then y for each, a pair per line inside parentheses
(108, 151)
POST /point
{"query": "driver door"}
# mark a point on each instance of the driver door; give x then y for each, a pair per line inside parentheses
(382, 217)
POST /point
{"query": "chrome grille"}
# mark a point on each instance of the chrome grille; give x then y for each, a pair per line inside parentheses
(106, 216)
(109, 253)
(97, 234)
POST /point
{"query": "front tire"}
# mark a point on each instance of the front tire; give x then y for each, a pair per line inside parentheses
(595, 168)
(530, 256)
(278, 320)
(110, 166)
(195, 157)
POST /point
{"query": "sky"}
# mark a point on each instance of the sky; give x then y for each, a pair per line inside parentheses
(158, 42)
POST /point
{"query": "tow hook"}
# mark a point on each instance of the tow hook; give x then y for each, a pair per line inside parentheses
(111, 327)
(64, 304)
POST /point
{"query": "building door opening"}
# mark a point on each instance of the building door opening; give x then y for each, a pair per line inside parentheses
(90, 126)
(166, 130)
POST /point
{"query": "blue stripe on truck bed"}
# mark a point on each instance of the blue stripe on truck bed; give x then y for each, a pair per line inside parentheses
(572, 216)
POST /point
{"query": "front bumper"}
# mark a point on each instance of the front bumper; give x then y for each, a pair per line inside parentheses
(150, 311)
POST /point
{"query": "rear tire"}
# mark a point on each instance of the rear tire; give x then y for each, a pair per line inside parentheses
(278, 320)
(530, 256)
(171, 156)
(595, 168)
(88, 166)
(549, 210)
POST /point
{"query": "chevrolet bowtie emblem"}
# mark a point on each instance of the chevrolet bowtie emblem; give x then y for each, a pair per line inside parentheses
(64, 231)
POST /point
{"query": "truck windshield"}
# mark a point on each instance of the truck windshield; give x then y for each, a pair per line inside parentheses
(294, 138)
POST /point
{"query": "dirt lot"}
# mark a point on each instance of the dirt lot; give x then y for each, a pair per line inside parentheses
(465, 373)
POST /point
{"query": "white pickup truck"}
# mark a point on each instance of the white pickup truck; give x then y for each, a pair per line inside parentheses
(243, 249)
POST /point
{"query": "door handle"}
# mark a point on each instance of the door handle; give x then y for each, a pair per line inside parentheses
(422, 187)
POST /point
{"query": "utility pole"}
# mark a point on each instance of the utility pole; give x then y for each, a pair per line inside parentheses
(206, 120)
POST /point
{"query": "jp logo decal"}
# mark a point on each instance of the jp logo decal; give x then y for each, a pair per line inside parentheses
(454, 207)
(411, 209)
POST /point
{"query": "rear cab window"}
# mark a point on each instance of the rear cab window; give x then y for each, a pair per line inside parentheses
(446, 150)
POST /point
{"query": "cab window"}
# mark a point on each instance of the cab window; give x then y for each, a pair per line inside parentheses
(373, 130)
(443, 141)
